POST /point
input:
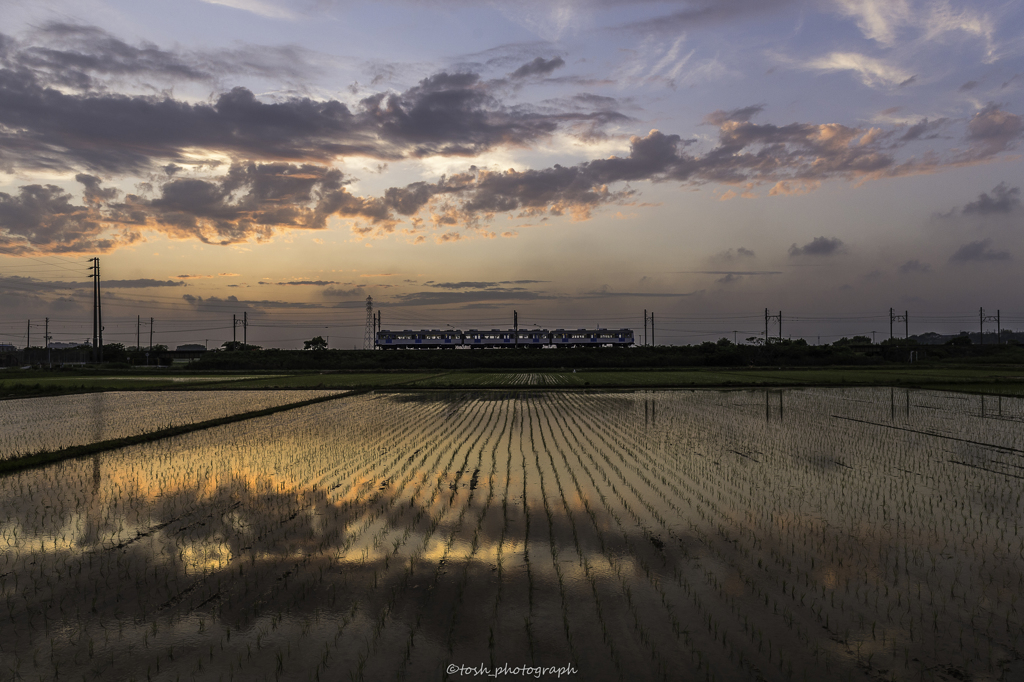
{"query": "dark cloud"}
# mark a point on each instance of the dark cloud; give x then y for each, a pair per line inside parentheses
(44, 218)
(719, 117)
(254, 200)
(87, 57)
(232, 303)
(44, 128)
(698, 13)
(969, 85)
(732, 272)
(924, 130)
(995, 129)
(476, 285)
(819, 246)
(912, 266)
(301, 282)
(32, 284)
(538, 67)
(333, 292)
(978, 251)
(461, 297)
(1003, 199)
(138, 283)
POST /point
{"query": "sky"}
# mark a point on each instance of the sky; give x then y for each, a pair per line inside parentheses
(577, 162)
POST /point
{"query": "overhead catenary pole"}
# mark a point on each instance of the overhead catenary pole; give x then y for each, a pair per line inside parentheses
(46, 339)
(368, 336)
(138, 340)
(515, 329)
(99, 307)
(28, 335)
(652, 327)
(234, 330)
(151, 335)
(645, 327)
(245, 329)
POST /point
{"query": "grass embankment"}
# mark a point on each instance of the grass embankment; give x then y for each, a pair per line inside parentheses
(993, 379)
(49, 457)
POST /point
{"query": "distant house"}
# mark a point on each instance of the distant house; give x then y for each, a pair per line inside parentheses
(193, 347)
(60, 345)
(7, 348)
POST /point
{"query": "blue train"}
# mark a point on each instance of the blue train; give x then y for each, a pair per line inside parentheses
(504, 338)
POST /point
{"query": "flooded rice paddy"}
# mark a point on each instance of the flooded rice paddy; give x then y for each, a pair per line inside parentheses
(860, 534)
(33, 425)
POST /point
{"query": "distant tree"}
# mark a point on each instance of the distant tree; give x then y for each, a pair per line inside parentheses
(723, 342)
(238, 345)
(962, 340)
(315, 343)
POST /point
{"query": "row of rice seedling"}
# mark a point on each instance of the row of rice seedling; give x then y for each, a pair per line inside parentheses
(819, 534)
(33, 425)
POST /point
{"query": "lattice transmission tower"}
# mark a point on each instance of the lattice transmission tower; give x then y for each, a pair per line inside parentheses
(368, 335)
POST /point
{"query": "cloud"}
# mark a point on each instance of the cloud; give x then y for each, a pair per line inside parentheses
(877, 19)
(538, 67)
(978, 251)
(473, 296)
(301, 282)
(44, 218)
(912, 266)
(1002, 200)
(253, 201)
(138, 283)
(995, 129)
(819, 246)
(446, 114)
(924, 130)
(737, 273)
(32, 284)
(707, 12)
(871, 71)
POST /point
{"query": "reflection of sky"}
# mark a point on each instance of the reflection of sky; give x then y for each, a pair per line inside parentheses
(36, 424)
(631, 529)
(887, 130)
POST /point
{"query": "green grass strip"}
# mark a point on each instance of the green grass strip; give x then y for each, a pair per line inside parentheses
(49, 457)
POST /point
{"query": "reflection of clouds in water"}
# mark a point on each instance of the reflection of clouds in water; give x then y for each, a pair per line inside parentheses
(622, 532)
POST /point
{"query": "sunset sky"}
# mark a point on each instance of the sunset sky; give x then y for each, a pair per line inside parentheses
(578, 162)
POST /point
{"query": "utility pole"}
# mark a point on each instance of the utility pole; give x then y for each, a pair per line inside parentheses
(515, 329)
(893, 317)
(645, 327)
(28, 335)
(138, 341)
(234, 330)
(97, 318)
(245, 329)
(983, 318)
(151, 335)
(768, 317)
(652, 328)
(368, 337)
(46, 338)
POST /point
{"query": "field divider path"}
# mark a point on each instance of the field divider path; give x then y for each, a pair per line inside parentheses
(50, 456)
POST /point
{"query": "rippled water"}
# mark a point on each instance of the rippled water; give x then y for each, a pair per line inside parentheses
(804, 534)
(35, 424)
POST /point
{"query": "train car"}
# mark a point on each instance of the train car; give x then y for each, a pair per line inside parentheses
(534, 338)
(591, 338)
(422, 338)
(495, 338)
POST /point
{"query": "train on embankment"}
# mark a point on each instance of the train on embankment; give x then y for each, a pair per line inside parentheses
(503, 338)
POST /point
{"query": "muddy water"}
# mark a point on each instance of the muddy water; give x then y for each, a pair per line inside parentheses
(813, 534)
